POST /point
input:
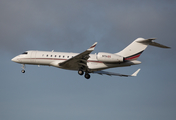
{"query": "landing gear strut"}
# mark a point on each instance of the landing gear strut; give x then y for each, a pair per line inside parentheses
(23, 68)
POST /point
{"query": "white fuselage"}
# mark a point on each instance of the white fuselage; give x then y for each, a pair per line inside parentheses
(54, 58)
(86, 63)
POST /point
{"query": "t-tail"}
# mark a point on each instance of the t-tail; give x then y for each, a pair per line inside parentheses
(135, 49)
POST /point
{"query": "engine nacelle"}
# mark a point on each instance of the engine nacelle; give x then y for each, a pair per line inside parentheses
(108, 57)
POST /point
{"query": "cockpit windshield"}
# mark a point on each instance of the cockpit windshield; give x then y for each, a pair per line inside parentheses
(25, 53)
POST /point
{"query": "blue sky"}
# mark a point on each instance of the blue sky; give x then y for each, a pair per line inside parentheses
(72, 26)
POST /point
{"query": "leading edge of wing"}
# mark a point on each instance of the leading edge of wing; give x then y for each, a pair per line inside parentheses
(117, 74)
(81, 56)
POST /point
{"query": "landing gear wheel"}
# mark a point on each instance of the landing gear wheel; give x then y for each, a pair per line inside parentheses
(23, 71)
(87, 76)
(80, 72)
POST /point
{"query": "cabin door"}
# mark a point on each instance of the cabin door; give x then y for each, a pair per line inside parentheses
(33, 56)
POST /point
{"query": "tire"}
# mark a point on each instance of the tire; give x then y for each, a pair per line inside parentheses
(87, 76)
(23, 71)
(80, 72)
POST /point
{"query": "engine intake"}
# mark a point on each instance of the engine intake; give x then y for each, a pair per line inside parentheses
(108, 57)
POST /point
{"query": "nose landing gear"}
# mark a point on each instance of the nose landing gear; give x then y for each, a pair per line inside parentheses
(23, 71)
(23, 68)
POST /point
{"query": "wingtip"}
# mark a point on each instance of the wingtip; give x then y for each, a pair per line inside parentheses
(93, 46)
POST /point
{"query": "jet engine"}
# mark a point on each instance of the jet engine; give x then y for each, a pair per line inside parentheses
(109, 57)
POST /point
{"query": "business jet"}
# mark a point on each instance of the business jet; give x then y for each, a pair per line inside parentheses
(86, 63)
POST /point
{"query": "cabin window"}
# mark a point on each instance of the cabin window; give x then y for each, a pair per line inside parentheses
(46, 55)
(55, 55)
(67, 56)
(43, 55)
(51, 55)
(63, 56)
(59, 56)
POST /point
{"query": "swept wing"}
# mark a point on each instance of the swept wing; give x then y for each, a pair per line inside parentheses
(79, 60)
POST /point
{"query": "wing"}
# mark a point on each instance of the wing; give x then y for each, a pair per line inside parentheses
(79, 60)
(117, 74)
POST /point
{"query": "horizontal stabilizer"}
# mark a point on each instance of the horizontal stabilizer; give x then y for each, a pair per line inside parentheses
(150, 42)
(158, 45)
(117, 74)
(135, 73)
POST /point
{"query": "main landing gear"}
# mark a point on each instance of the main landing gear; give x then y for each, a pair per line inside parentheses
(81, 72)
(87, 76)
(23, 68)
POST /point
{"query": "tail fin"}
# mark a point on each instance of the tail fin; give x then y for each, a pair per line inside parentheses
(135, 49)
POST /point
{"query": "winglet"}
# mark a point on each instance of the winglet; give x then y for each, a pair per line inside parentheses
(135, 73)
(92, 47)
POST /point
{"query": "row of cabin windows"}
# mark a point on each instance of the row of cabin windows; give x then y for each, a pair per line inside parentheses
(56, 56)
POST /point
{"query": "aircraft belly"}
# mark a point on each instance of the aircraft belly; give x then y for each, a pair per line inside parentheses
(96, 65)
(101, 66)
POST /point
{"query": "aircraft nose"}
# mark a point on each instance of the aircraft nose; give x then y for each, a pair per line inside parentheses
(14, 59)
